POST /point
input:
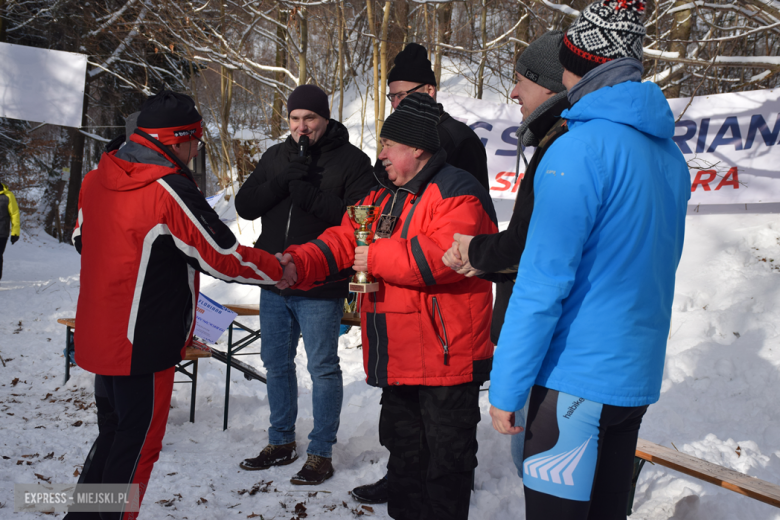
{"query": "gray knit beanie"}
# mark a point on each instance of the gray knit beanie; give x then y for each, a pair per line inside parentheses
(414, 123)
(539, 62)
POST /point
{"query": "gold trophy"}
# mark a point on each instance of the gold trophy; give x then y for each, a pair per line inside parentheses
(364, 236)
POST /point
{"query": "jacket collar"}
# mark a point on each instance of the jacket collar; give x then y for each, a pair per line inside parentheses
(542, 123)
(442, 114)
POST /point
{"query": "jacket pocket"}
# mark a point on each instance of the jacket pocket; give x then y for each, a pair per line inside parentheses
(441, 329)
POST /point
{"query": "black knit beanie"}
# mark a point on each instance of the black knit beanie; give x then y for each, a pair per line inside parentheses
(170, 117)
(309, 97)
(539, 62)
(412, 64)
(414, 123)
(603, 32)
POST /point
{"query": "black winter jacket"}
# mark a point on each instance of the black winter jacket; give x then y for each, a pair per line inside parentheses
(463, 147)
(339, 174)
(499, 255)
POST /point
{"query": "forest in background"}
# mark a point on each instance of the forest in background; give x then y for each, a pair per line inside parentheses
(240, 59)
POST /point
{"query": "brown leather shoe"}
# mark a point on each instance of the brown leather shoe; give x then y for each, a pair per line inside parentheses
(316, 471)
(272, 455)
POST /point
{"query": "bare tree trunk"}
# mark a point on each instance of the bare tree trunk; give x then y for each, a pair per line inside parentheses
(49, 205)
(681, 30)
(302, 72)
(281, 60)
(398, 28)
(342, 22)
(428, 38)
(521, 33)
(375, 62)
(3, 23)
(76, 167)
(383, 78)
(226, 83)
(443, 18)
(483, 33)
(209, 142)
(226, 91)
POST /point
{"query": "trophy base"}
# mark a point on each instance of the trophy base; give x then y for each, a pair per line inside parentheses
(364, 287)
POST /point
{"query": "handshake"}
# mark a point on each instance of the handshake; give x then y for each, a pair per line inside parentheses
(289, 274)
(290, 271)
(457, 256)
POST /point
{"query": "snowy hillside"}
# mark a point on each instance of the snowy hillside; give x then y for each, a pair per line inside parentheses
(721, 373)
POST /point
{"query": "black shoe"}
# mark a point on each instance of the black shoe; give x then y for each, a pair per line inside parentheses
(272, 455)
(375, 493)
(316, 471)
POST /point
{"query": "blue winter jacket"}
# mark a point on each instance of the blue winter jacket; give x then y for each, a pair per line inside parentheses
(591, 308)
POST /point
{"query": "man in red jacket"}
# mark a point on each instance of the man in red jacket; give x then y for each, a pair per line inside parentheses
(426, 331)
(144, 231)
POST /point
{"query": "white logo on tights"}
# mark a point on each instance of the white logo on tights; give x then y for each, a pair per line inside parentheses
(553, 467)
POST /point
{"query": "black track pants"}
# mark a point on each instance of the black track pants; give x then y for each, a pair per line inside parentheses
(132, 415)
(3, 242)
(579, 457)
(431, 432)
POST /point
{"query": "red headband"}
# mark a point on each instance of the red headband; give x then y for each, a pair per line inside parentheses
(176, 134)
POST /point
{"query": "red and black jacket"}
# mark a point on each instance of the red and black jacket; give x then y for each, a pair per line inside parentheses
(144, 231)
(427, 325)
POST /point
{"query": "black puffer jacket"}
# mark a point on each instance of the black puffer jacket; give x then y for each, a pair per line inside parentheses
(499, 255)
(464, 149)
(339, 175)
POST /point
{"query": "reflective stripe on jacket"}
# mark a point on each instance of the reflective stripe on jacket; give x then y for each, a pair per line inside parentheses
(144, 231)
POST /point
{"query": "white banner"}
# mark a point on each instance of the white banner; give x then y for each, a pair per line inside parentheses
(211, 319)
(42, 85)
(728, 141)
(495, 124)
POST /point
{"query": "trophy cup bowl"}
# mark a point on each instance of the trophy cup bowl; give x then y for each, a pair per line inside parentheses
(363, 282)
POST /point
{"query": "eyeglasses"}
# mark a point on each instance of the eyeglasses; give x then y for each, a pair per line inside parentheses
(200, 143)
(401, 95)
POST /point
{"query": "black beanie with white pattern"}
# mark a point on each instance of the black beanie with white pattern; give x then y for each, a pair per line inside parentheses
(604, 31)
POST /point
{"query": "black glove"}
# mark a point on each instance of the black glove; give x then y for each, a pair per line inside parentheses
(296, 170)
(14, 239)
(303, 194)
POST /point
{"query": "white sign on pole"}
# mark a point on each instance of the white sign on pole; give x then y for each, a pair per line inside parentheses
(730, 142)
(42, 85)
(211, 319)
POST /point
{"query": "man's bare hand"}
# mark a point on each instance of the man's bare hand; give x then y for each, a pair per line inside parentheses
(457, 256)
(290, 274)
(469, 271)
(463, 242)
(452, 258)
(504, 422)
(361, 259)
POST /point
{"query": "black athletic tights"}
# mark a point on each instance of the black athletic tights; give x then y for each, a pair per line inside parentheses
(579, 457)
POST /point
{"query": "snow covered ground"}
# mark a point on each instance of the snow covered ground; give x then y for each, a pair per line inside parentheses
(721, 373)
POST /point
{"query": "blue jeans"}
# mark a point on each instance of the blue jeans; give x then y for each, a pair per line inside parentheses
(282, 320)
(518, 441)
